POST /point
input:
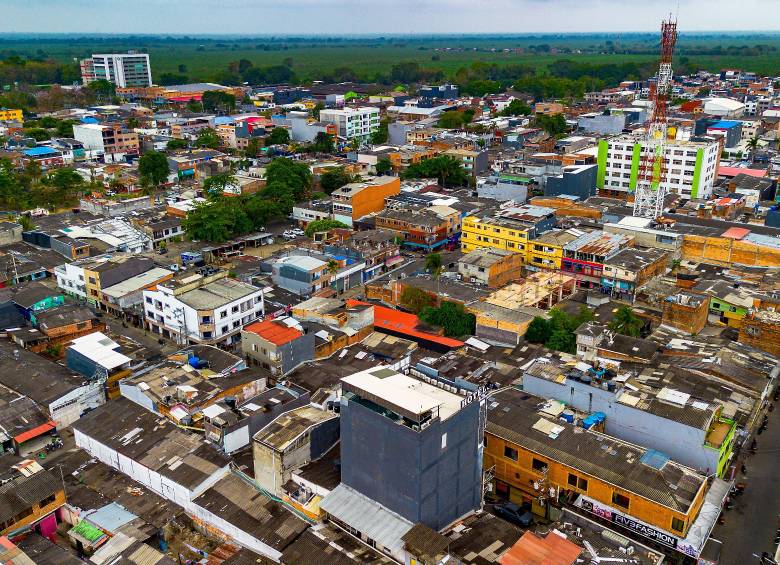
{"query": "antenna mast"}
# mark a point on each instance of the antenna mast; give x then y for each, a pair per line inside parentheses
(651, 181)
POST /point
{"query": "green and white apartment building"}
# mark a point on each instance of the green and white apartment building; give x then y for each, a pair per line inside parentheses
(353, 123)
(691, 166)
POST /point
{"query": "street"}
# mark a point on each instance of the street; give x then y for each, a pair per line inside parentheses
(751, 525)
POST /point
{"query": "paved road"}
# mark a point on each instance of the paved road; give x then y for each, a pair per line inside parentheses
(750, 527)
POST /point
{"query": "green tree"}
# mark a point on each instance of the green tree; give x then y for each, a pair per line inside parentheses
(752, 145)
(252, 148)
(323, 225)
(447, 170)
(208, 138)
(104, 90)
(215, 185)
(451, 120)
(217, 221)
(218, 101)
(295, 175)
(452, 317)
(383, 166)
(380, 136)
(153, 168)
(323, 143)
(433, 263)
(194, 105)
(315, 112)
(626, 322)
(516, 107)
(554, 125)
(538, 330)
(278, 136)
(26, 221)
(416, 300)
(175, 144)
(334, 178)
(562, 340)
(38, 134)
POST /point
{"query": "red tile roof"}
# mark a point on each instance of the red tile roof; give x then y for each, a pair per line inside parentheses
(534, 550)
(275, 331)
(402, 322)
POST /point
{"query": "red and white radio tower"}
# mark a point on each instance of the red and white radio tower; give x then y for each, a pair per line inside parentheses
(651, 179)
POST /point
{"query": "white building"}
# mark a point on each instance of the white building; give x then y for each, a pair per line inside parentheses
(353, 123)
(724, 107)
(691, 166)
(122, 69)
(208, 309)
(109, 142)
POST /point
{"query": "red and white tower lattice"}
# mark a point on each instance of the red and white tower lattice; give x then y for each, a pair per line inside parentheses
(651, 180)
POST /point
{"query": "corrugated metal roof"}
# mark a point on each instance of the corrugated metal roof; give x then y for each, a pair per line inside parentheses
(367, 516)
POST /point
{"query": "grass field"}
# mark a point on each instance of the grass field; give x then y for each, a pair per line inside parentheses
(204, 58)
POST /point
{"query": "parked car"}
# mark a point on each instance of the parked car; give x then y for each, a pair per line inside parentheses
(513, 513)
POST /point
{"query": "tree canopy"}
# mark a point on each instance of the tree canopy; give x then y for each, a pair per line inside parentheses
(557, 332)
(208, 138)
(334, 178)
(447, 170)
(516, 107)
(153, 168)
(452, 317)
(416, 300)
(626, 322)
(323, 225)
(278, 136)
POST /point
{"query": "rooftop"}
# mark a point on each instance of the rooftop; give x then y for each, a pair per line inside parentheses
(276, 330)
(216, 294)
(288, 427)
(513, 416)
(407, 396)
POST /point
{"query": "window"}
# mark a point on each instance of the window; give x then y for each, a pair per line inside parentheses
(678, 525)
(223, 314)
(620, 500)
(148, 300)
(539, 465)
(510, 453)
(48, 500)
(578, 482)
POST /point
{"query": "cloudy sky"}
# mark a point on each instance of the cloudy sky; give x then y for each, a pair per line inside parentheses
(380, 16)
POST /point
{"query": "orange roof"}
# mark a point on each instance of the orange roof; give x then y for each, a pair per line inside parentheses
(275, 331)
(533, 550)
(734, 171)
(735, 233)
(402, 322)
(35, 432)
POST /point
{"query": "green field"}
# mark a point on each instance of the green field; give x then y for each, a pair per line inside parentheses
(205, 58)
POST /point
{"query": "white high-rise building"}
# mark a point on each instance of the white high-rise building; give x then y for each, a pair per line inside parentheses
(691, 166)
(122, 69)
(353, 123)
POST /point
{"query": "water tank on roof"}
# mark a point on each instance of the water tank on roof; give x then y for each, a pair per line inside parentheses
(193, 361)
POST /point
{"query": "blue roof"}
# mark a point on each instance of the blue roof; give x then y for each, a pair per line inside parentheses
(654, 459)
(110, 517)
(88, 120)
(40, 151)
(725, 124)
(219, 120)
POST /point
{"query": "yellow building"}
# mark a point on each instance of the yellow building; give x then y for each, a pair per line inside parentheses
(546, 251)
(10, 114)
(494, 233)
(538, 458)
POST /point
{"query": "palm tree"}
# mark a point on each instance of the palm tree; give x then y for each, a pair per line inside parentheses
(626, 322)
(752, 144)
(434, 266)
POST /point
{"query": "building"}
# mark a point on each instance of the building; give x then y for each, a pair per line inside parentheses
(729, 130)
(423, 228)
(109, 142)
(97, 357)
(628, 270)
(30, 497)
(473, 161)
(724, 107)
(88, 278)
(301, 274)
(509, 229)
(207, 309)
(277, 344)
(129, 69)
(761, 329)
(490, 267)
(584, 257)
(358, 199)
(546, 251)
(503, 187)
(441, 92)
(390, 419)
(691, 166)
(686, 311)
(292, 440)
(10, 115)
(356, 124)
(574, 180)
(536, 457)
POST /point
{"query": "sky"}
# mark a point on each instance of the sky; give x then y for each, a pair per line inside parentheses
(335, 17)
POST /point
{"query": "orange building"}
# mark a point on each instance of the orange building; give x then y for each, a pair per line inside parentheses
(357, 199)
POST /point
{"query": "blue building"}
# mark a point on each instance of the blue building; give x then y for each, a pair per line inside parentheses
(411, 446)
(574, 180)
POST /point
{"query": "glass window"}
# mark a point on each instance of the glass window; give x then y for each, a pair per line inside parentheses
(578, 482)
(678, 525)
(620, 500)
(510, 453)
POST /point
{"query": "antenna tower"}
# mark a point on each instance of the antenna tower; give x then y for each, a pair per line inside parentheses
(651, 181)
